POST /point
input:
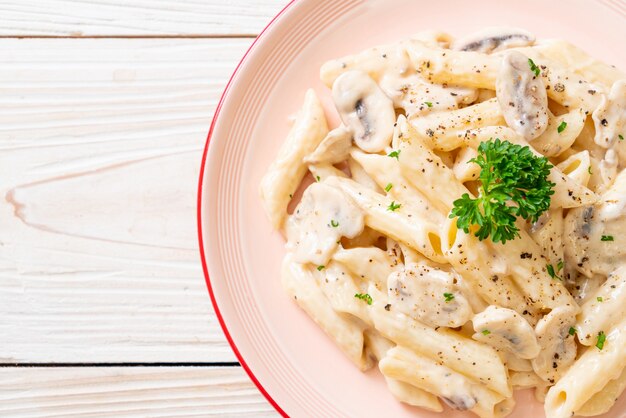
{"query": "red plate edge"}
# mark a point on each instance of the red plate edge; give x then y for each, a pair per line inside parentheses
(205, 268)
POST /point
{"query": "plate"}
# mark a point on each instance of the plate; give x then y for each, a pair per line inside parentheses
(287, 356)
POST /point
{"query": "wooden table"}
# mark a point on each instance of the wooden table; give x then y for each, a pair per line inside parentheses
(104, 110)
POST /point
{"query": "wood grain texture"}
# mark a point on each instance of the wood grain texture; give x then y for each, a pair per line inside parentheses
(130, 392)
(100, 147)
(136, 17)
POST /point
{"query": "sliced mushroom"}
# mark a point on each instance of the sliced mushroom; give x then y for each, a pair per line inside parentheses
(522, 96)
(429, 295)
(505, 329)
(334, 148)
(609, 118)
(322, 217)
(494, 39)
(595, 236)
(558, 347)
(365, 109)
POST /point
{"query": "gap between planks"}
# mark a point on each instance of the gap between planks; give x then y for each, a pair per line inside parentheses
(113, 364)
(189, 36)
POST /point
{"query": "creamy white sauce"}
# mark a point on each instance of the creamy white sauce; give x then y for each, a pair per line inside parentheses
(609, 118)
(522, 96)
(322, 217)
(595, 236)
(505, 329)
(494, 39)
(365, 110)
(418, 97)
(334, 148)
(429, 295)
(558, 347)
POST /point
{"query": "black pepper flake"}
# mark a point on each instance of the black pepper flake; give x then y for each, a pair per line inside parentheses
(388, 307)
(525, 255)
(559, 87)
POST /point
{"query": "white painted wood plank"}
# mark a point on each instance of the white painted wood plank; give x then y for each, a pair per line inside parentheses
(130, 392)
(135, 17)
(100, 147)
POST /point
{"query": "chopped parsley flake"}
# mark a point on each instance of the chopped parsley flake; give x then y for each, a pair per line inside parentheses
(334, 223)
(572, 330)
(320, 268)
(589, 170)
(317, 178)
(601, 340)
(533, 67)
(388, 187)
(621, 137)
(562, 127)
(606, 238)
(394, 154)
(559, 266)
(364, 297)
(486, 332)
(599, 299)
(429, 104)
(448, 296)
(551, 272)
(393, 206)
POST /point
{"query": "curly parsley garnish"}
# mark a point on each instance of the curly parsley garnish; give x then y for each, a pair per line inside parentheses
(364, 297)
(514, 183)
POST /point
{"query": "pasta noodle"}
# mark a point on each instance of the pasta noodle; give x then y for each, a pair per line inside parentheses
(464, 229)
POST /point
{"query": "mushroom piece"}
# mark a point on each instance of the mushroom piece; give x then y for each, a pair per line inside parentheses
(505, 329)
(429, 295)
(609, 118)
(595, 236)
(494, 39)
(365, 109)
(522, 96)
(558, 348)
(334, 148)
(322, 217)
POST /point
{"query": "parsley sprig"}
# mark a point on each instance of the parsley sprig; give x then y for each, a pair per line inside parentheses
(514, 183)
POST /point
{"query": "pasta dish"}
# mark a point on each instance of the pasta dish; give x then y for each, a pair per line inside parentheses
(462, 227)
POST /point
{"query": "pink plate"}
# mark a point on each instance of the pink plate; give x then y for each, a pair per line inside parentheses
(289, 358)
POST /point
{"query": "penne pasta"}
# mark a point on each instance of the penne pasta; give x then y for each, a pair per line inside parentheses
(601, 309)
(286, 172)
(464, 226)
(347, 333)
(459, 353)
(577, 386)
(454, 388)
(384, 215)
